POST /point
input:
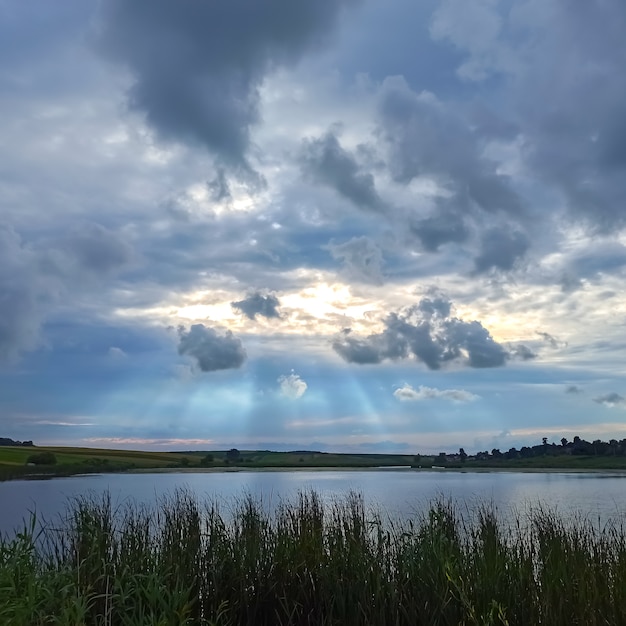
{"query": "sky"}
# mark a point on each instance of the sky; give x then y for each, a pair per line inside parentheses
(342, 225)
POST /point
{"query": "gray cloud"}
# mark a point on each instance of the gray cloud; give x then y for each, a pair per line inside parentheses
(97, 249)
(258, 304)
(610, 400)
(430, 334)
(24, 292)
(578, 142)
(426, 138)
(550, 339)
(523, 352)
(369, 350)
(361, 257)
(436, 230)
(211, 349)
(197, 66)
(219, 187)
(326, 162)
(500, 249)
(569, 90)
(33, 277)
(573, 389)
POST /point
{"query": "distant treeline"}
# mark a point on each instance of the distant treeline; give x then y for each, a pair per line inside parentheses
(5, 441)
(577, 447)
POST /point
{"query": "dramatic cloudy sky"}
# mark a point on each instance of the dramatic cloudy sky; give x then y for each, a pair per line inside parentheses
(341, 224)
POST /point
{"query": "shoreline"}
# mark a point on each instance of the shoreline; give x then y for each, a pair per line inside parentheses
(391, 469)
(433, 470)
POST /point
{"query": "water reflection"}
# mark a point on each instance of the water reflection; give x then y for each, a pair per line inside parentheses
(401, 493)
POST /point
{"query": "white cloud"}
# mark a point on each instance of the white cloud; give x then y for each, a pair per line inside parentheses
(292, 386)
(117, 353)
(406, 393)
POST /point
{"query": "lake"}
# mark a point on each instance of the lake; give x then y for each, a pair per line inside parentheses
(601, 496)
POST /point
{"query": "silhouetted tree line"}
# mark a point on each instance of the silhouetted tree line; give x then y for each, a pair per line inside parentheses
(576, 447)
(5, 441)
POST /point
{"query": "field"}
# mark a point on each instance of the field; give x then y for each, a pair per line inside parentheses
(13, 461)
(84, 460)
(310, 563)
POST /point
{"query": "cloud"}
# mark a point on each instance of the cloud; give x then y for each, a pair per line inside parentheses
(212, 350)
(33, 276)
(25, 294)
(500, 249)
(426, 138)
(258, 304)
(292, 386)
(443, 227)
(326, 162)
(406, 393)
(475, 27)
(116, 353)
(550, 339)
(610, 400)
(197, 66)
(523, 352)
(362, 258)
(97, 249)
(428, 333)
(219, 187)
(573, 389)
(569, 56)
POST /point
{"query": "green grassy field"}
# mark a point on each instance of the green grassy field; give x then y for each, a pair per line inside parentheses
(13, 461)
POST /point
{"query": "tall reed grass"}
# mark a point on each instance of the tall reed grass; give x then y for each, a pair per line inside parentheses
(309, 562)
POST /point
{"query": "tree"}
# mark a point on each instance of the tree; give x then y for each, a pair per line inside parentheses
(43, 458)
(563, 441)
(463, 455)
(512, 453)
(233, 455)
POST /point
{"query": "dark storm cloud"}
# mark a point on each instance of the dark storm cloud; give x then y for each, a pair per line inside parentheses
(258, 304)
(566, 91)
(610, 400)
(24, 293)
(439, 229)
(500, 249)
(362, 258)
(326, 162)
(197, 65)
(369, 350)
(34, 276)
(426, 138)
(578, 142)
(523, 352)
(573, 389)
(211, 349)
(429, 333)
(97, 249)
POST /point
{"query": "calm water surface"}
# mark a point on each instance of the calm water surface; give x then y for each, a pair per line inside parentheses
(400, 493)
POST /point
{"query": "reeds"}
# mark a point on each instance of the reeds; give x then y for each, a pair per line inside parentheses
(309, 562)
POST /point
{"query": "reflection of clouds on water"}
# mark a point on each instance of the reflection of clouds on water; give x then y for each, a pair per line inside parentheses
(398, 494)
